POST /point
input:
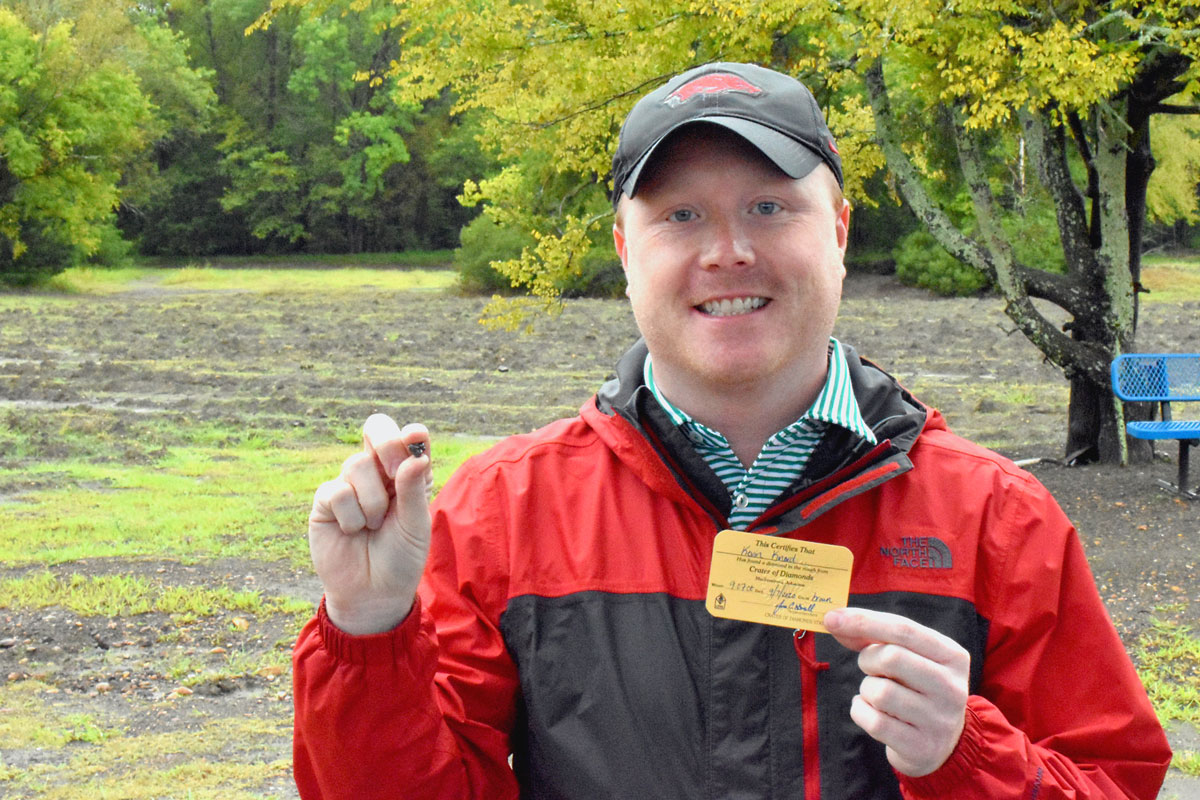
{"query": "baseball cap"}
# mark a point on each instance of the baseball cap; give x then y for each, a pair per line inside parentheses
(774, 112)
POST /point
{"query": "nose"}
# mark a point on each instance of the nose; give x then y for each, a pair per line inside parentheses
(727, 244)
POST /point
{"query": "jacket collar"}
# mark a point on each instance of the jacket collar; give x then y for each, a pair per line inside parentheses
(842, 466)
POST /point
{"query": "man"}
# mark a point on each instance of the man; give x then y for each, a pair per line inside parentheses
(561, 616)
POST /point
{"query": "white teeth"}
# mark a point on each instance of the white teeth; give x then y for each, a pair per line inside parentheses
(729, 308)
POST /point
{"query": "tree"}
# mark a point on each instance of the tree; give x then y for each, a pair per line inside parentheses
(80, 104)
(307, 150)
(321, 154)
(1080, 84)
(66, 130)
(1073, 85)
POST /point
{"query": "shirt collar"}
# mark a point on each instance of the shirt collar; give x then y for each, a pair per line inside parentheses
(835, 405)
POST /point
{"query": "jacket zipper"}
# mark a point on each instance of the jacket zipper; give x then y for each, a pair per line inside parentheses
(806, 651)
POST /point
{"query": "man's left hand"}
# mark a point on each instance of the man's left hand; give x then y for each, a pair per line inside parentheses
(914, 696)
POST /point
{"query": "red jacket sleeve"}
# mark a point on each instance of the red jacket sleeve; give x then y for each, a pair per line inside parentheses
(423, 711)
(1038, 731)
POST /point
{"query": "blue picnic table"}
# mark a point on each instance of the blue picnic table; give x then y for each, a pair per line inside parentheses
(1162, 378)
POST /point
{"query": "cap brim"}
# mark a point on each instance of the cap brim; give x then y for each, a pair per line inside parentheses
(794, 158)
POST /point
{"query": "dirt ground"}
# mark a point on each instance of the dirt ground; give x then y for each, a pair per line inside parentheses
(316, 365)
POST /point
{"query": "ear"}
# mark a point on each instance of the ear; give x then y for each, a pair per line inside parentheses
(619, 242)
(842, 226)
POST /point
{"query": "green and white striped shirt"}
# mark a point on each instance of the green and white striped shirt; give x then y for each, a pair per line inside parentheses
(785, 454)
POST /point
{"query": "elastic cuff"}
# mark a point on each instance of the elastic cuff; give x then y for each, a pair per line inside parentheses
(960, 767)
(371, 647)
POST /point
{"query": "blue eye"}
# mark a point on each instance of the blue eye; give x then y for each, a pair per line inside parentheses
(682, 215)
(766, 207)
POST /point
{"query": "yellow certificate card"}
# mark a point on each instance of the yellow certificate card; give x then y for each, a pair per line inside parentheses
(774, 581)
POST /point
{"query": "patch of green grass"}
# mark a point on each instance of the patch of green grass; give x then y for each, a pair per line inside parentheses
(30, 721)
(24, 723)
(1168, 659)
(292, 281)
(1171, 279)
(1016, 394)
(91, 435)
(402, 259)
(124, 595)
(191, 671)
(84, 728)
(244, 499)
(1187, 761)
(94, 280)
(421, 272)
(194, 502)
(232, 758)
(183, 667)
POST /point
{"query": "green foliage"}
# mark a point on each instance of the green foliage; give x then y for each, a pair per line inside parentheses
(43, 255)
(181, 213)
(600, 274)
(555, 80)
(309, 150)
(483, 242)
(1172, 194)
(320, 157)
(267, 186)
(66, 130)
(1033, 232)
(1026, 217)
(921, 261)
(876, 227)
(86, 88)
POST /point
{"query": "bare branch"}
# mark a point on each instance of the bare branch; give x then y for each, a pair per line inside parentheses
(599, 104)
(1167, 108)
(1065, 291)
(1057, 346)
(1048, 149)
(1062, 290)
(1093, 186)
(939, 224)
(587, 35)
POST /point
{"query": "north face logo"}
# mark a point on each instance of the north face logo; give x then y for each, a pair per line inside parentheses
(919, 552)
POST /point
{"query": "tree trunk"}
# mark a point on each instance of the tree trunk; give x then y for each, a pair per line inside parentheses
(272, 78)
(1093, 427)
(222, 86)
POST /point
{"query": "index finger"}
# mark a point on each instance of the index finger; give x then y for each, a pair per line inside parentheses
(390, 445)
(856, 628)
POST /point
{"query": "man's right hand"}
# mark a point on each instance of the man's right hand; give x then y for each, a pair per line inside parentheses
(369, 529)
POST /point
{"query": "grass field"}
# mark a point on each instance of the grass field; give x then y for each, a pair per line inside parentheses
(161, 434)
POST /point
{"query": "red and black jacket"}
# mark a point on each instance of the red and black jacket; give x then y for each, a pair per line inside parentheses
(562, 621)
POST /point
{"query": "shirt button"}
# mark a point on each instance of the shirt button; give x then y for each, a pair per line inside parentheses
(695, 437)
(741, 501)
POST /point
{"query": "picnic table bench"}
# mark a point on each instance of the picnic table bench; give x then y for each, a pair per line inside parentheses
(1162, 378)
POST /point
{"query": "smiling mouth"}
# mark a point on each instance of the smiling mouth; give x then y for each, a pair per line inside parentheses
(732, 307)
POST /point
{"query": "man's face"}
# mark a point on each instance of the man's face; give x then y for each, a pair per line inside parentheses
(734, 269)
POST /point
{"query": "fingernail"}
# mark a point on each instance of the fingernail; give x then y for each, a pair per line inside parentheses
(833, 618)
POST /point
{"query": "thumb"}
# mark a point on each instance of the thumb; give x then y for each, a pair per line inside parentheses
(414, 475)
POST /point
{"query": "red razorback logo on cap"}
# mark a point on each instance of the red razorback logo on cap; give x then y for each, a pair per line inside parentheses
(714, 83)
